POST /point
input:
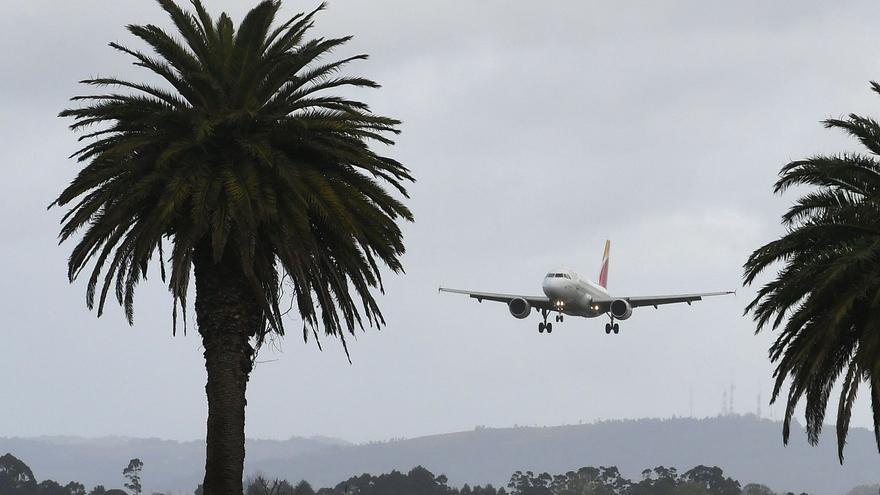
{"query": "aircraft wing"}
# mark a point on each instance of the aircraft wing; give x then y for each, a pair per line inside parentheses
(671, 299)
(540, 302)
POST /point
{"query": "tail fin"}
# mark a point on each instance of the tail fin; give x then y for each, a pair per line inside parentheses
(603, 273)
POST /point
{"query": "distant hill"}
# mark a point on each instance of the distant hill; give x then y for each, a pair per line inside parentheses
(747, 448)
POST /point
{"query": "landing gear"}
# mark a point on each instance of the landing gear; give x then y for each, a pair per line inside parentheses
(558, 318)
(545, 325)
(612, 327)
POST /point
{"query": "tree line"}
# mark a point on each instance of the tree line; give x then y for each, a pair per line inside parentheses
(701, 480)
(16, 478)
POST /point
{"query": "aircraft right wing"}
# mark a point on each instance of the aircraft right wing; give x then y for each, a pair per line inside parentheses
(671, 299)
(540, 302)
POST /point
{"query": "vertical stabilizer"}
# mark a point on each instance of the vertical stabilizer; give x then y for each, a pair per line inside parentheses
(603, 273)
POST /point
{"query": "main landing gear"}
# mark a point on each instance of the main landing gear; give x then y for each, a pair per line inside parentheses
(612, 327)
(545, 325)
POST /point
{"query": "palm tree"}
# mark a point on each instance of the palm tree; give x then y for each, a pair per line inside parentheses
(825, 300)
(242, 170)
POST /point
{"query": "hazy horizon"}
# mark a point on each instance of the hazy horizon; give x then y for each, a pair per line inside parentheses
(796, 424)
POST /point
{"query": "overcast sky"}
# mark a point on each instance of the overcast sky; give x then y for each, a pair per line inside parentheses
(535, 131)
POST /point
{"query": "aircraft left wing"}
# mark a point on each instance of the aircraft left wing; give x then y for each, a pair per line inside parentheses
(540, 302)
(671, 299)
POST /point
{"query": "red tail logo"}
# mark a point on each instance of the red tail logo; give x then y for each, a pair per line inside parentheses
(603, 273)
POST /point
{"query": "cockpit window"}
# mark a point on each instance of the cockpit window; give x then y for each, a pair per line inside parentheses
(558, 275)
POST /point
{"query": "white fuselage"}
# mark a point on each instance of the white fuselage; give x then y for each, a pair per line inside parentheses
(572, 295)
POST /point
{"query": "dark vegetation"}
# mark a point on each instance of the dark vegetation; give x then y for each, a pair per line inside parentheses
(16, 478)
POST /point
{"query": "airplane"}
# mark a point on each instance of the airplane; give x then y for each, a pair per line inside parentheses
(567, 293)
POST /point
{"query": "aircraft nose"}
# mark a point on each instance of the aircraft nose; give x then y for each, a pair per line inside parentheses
(551, 287)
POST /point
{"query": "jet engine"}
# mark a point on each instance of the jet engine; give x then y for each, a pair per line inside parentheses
(621, 309)
(519, 308)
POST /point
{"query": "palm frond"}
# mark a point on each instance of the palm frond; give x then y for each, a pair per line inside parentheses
(244, 155)
(824, 303)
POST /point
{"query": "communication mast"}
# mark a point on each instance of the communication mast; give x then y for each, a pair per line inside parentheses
(691, 400)
(732, 390)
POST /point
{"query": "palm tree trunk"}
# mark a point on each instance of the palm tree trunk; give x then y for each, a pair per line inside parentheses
(228, 315)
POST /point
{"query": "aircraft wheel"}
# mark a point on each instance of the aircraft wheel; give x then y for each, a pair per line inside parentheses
(549, 327)
(616, 328)
(607, 328)
(560, 318)
(541, 327)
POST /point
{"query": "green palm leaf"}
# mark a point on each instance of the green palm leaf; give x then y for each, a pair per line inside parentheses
(824, 302)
